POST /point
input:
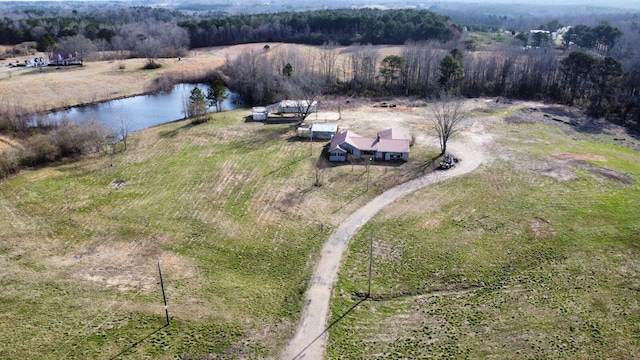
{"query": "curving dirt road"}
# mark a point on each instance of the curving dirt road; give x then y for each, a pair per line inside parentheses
(309, 341)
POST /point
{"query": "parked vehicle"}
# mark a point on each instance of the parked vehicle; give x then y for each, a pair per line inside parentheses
(448, 162)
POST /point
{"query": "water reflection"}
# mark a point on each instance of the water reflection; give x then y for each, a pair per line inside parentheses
(144, 111)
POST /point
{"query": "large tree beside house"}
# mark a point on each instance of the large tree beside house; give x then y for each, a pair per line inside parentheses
(447, 118)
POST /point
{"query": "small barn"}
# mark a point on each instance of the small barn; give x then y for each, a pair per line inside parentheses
(317, 131)
(284, 108)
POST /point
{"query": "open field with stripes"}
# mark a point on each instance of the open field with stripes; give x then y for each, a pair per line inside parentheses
(230, 209)
(535, 255)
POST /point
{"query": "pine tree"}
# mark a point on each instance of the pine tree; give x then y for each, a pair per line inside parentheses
(217, 94)
(197, 103)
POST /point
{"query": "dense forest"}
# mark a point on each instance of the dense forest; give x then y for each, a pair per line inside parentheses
(317, 27)
(130, 28)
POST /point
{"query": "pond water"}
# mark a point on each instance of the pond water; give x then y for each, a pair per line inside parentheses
(143, 111)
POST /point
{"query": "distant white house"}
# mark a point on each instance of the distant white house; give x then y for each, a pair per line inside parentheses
(59, 58)
(389, 144)
(539, 32)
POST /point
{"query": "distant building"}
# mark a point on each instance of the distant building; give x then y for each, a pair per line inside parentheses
(389, 144)
(259, 113)
(61, 58)
(35, 62)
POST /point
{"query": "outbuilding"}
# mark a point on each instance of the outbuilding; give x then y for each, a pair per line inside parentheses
(318, 131)
(259, 113)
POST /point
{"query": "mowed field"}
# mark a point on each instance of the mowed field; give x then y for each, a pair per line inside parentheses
(58, 87)
(534, 256)
(230, 210)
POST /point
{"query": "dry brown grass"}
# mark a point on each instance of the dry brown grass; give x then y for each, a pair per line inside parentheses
(589, 157)
(6, 143)
(58, 87)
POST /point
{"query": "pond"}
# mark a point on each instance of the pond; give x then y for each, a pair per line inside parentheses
(143, 111)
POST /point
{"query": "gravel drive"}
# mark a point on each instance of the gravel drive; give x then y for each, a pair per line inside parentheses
(309, 341)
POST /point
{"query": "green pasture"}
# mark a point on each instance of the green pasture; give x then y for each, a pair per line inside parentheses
(230, 209)
(506, 262)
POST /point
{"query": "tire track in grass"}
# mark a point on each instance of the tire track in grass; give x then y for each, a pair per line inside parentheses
(264, 205)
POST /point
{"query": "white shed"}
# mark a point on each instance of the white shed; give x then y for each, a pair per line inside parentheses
(259, 113)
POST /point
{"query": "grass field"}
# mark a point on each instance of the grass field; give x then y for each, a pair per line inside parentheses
(536, 255)
(228, 208)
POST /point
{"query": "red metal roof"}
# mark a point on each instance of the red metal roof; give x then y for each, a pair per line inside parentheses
(389, 140)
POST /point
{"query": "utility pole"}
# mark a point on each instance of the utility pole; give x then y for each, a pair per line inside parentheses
(368, 164)
(370, 265)
(311, 140)
(164, 297)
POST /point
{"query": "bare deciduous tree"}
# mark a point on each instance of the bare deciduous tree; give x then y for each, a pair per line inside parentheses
(364, 63)
(123, 126)
(79, 45)
(447, 118)
(328, 56)
(422, 57)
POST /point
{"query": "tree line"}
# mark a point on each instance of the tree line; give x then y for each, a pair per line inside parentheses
(596, 66)
(426, 69)
(317, 27)
(153, 32)
(135, 31)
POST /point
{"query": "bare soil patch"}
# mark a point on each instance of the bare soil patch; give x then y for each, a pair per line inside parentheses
(566, 162)
(542, 229)
(560, 173)
(548, 114)
(602, 172)
(583, 157)
(120, 265)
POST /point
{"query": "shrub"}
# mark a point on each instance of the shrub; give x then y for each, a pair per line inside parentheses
(152, 64)
(40, 150)
(9, 162)
(199, 120)
(5, 123)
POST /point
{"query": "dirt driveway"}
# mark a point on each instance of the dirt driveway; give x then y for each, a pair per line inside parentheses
(309, 341)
